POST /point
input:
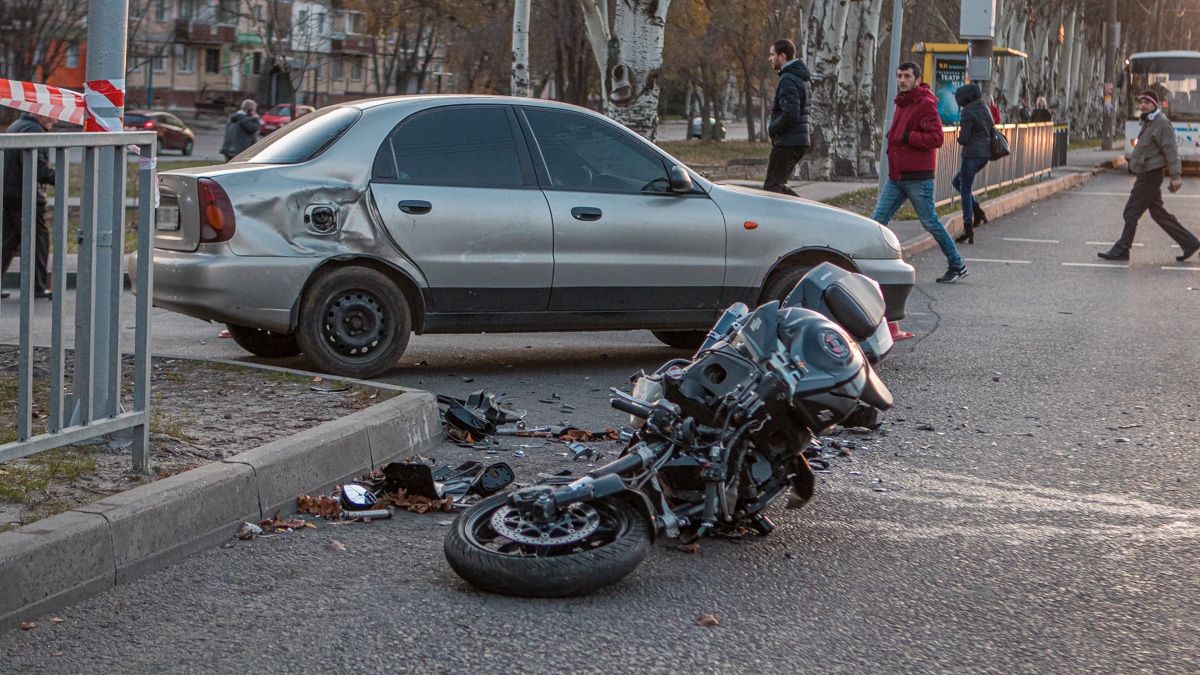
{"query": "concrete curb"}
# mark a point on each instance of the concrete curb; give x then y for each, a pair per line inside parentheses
(61, 560)
(1000, 206)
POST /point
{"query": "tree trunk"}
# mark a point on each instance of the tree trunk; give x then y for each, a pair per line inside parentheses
(520, 49)
(827, 28)
(635, 63)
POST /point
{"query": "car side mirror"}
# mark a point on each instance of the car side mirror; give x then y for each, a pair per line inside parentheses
(680, 179)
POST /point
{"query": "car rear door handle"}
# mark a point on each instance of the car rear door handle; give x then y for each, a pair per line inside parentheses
(586, 213)
(415, 206)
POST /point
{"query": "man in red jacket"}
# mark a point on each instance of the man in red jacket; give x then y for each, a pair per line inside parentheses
(912, 145)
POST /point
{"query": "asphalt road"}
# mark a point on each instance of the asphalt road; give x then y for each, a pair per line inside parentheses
(1040, 511)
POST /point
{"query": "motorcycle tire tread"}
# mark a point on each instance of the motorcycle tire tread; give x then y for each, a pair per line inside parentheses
(550, 577)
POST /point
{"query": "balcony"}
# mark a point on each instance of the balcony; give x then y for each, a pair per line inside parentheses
(200, 32)
(350, 44)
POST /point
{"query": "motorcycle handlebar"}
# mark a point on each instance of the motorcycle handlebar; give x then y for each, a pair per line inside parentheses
(625, 405)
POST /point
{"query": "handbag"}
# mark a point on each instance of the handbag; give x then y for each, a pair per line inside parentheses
(999, 145)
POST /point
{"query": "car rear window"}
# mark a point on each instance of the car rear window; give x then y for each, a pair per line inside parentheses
(135, 119)
(303, 139)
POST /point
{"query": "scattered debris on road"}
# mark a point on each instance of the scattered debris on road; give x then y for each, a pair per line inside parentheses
(708, 620)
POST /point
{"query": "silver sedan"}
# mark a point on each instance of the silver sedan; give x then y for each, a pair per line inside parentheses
(361, 223)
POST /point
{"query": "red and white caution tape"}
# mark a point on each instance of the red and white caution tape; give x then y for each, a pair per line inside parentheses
(42, 99)
(98, 108)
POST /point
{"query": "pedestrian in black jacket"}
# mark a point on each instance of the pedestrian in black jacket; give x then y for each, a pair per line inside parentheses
(975, 137)
(1042, 112)
(14, 177)
(242, 130)
(789, 116)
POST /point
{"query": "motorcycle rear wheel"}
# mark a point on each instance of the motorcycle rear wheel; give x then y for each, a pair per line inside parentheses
(618, 540)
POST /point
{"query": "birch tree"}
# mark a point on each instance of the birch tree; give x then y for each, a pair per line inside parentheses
(520, 49)
(628, 51)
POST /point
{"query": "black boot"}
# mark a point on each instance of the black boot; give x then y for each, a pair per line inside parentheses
(980, 216)
(968, 234)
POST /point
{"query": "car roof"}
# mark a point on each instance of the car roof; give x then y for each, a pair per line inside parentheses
(368, 103)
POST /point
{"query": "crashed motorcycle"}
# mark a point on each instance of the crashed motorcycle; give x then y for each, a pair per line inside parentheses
(719, 437)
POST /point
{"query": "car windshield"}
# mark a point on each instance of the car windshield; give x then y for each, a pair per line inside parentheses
(280, 110)
(303, 139)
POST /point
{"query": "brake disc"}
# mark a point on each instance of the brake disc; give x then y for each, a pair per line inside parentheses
(574, 524)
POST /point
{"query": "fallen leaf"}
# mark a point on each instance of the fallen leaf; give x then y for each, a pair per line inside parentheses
(248, 531)
(708, 620)
(28, 625)
(56, 619)
(310, 526)
(335, 545)
(693, 547)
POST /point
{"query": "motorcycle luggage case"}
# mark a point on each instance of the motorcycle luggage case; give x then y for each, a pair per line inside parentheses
(852, 300)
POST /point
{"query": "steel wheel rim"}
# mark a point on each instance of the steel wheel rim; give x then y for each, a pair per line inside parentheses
(354, 324)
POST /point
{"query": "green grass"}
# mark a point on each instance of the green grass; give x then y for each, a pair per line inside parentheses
(697, 152)
(863, 201)
(75, 185)
(26, 482)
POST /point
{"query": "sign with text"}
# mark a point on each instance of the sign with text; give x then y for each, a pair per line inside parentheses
(949, 73)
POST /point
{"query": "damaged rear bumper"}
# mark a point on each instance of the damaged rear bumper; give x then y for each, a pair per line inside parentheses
(255, 291)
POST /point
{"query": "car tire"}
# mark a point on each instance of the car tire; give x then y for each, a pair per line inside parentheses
(784, 280)
(681, 339)
(354, 321)
(264, 343)
(187, 149)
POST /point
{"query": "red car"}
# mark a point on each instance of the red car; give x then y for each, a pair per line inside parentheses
(173, 134)
(280, 115)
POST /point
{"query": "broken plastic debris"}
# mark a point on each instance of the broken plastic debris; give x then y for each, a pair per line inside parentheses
(248, 531)
(708, 620)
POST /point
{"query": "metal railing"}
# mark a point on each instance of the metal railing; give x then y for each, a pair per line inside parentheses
(1032, 154)
(91, 408)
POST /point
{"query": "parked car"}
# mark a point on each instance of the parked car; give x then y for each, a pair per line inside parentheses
(173, 134)
(280, 115)
(366, 221)
(696, 128)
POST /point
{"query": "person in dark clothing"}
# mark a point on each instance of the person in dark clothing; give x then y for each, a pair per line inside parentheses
(1024, 113)
(1154, 152)
(789, 117)
(242, 130)
(912, 144)
(1041, 113)
(975, 137)
(14, 177)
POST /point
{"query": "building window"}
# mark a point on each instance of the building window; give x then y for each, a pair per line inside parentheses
(258, 12)
(72, 55)
(339, 69)
(187, 9)
(186, 63)
(160, 62)
(357, 66)
(357, 22)
(212, 60)
(256, 64)
(321, 23)
(160, 10)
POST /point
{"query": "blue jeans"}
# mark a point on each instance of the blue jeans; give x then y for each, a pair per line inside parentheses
(920, 193)
(963, 182)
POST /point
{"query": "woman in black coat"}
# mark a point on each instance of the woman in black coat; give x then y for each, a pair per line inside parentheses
(975, 137)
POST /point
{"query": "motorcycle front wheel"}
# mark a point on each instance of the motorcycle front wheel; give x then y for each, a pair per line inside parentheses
(589, 546)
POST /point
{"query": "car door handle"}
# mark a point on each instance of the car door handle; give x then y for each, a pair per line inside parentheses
(586, 213)
(415, 206)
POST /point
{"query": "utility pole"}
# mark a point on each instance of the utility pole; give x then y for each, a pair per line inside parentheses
(1110, 73)
(893, 66)
(107, 32)
(977, 24)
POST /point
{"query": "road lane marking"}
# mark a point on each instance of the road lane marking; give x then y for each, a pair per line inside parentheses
(1105, 243)
(1124, 267)
(1031, 241)
(1185, 269)
(994, 260)
(1126, 194)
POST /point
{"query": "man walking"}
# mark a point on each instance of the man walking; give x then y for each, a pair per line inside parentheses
(242, 130)
(14, 177)
(1154, 151)
(789, 116)
(912, 145)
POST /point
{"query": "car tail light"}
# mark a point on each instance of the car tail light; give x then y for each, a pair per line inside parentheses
(149, 124)
(217, 223)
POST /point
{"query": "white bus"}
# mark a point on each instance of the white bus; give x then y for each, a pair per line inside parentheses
(1175, 77)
